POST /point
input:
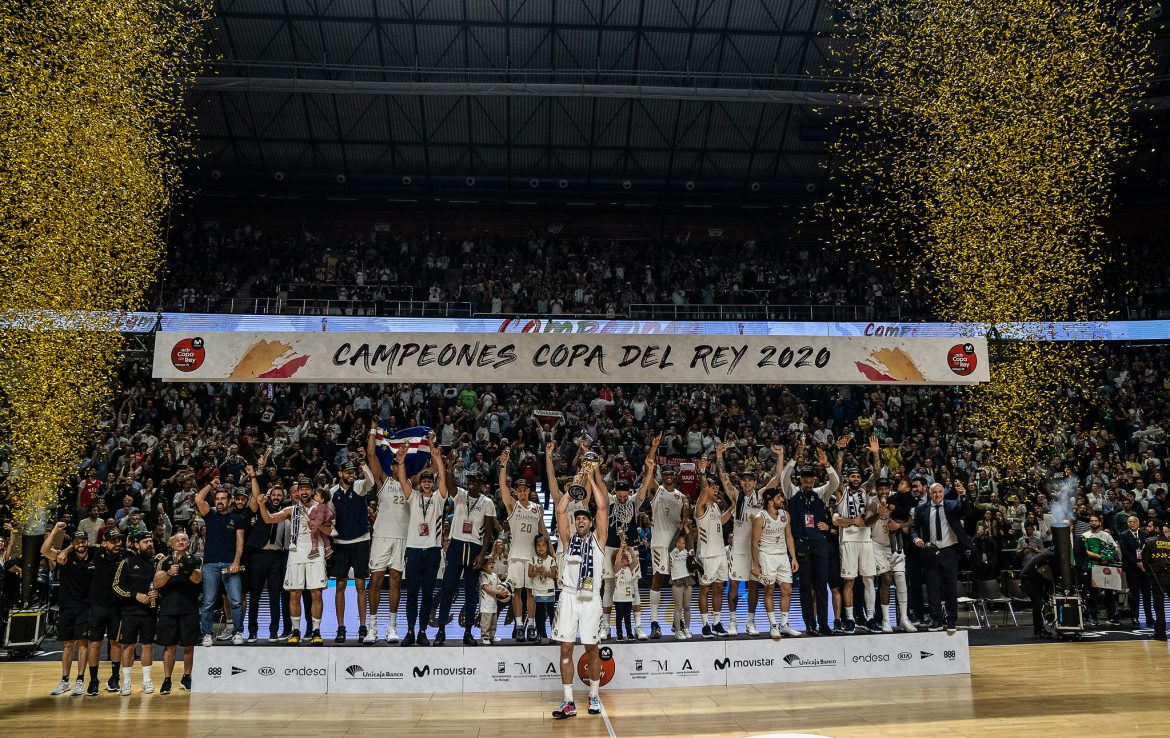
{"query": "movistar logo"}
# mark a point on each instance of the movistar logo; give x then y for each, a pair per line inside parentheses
(722, 664)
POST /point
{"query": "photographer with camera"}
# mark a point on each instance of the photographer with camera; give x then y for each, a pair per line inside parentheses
(178, 581)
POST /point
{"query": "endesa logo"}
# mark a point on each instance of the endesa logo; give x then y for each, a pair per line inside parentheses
(870, 658)
(304, 671)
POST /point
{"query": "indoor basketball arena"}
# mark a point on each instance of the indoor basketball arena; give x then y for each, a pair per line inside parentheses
(585, 367)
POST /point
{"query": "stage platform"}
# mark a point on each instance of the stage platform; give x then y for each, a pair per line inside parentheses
(392, 669)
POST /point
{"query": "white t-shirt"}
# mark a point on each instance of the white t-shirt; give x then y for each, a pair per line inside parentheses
(625, 585)
(393, 512)
(425, 529)
(467, 522)
(488, 602)
(665, 516)
(304, 543)
(678, 564)
(543, 585)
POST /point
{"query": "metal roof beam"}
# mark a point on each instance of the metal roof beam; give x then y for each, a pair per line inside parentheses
(521, 89)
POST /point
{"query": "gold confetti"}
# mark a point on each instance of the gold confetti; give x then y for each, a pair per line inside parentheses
(92, 130)
(981, 173)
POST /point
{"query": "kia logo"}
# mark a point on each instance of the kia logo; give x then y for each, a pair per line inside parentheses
(722, 664)
(266, 671)
(905, 656)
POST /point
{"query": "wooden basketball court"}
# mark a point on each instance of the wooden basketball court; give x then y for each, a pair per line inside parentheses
(1074, 689)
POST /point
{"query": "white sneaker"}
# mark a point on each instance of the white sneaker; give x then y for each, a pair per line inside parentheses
(775, 633)
(496, 639)
(679, 635)
(886, 627)
(486, 642)
(207, 641)
(238, 639)
(125, 685)
(372, 632)
(391, 634)
(638, 633)
(61, 688)
(751, 628)
(687, 632)
(148, 687)
(605, 634)
(227, 633)
(79, 688)
(732, 628)
(907, 627)
(789, 631)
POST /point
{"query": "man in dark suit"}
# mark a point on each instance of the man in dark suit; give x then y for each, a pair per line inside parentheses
(1130, 542)
(939, 531)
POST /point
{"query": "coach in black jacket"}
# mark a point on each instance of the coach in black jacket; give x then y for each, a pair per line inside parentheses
(938, 530)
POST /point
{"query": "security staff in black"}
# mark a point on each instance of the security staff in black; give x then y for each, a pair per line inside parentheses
(265, 544)
(179, 582)
(134, 583)
(351, 547)
(1155, 562)
(810, 526)
(105, 612)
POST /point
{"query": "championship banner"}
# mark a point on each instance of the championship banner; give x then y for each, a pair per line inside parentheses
(557, 358)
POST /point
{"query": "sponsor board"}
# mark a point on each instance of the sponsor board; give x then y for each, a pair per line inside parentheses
(398, 670)
(275, 670)
(536, 668)
(906, 654)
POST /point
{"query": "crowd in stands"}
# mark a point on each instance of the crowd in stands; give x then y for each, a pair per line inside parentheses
(558, 274)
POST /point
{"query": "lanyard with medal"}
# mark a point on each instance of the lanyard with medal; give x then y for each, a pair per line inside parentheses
(424, 528)
(467, 520)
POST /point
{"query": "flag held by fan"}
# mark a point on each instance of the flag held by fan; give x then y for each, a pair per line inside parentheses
(387, 441)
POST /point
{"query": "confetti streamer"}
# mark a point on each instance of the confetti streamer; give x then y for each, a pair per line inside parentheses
(92, 132)
(982, 172)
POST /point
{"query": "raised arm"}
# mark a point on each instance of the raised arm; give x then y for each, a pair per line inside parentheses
(826, 490)
(47, 549)
(505, 490)
(563, 527)
(440, 468)
(601, 500)
(550, 472)
(254, 500)
(400, 472)
(201, 499)
(774, 482)
(648, 481)
(372, 456)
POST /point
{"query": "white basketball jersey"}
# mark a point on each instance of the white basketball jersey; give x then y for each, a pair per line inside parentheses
(853, 504)
(523, 527)
(772, 538)
(665, 516)
(710, 531)
(393, 512)
(741, 542)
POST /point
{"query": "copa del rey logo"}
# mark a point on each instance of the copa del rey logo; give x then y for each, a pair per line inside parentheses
(188, 354)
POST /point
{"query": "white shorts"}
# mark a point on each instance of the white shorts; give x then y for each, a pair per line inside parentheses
(857, 559)
(886, 560)
(305, 575)
(775, 568)
(576, 617)
(607, 565)
(714, 569)
(741, 566)
(518, 575)
(660, 557)
(388, 553)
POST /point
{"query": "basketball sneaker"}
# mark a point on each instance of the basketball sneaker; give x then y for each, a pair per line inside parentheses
(594, 705)
(566, 710)
(775, 632)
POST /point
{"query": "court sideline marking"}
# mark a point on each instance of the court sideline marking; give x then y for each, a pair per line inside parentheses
(605, 717)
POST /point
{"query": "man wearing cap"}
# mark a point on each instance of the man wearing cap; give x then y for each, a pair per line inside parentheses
(74, 565)
(223, 551)
(265, 544)
(810, 519)
(748, 503)
(351, 547)
(105, 610)
(525, 523)
(301, 573)
(473, 531)
(666, 508)
(134, 583)
(853, 516)
(579, 607)
(387, 542)
(424, 537)
(623, 527)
